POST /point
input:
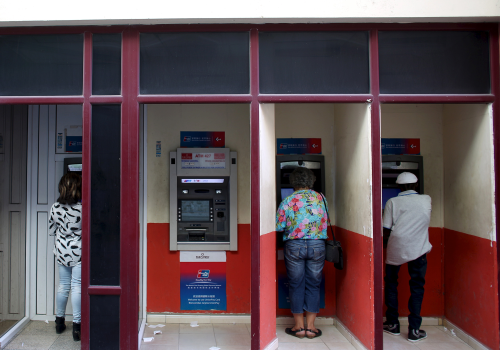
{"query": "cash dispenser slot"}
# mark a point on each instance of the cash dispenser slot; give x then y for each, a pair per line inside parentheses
(196, 234)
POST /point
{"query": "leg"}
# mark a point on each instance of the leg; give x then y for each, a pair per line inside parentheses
(314, 274)
(295, 251)
(391, 293)
(63, 290)
(417, 269)
(76, 292)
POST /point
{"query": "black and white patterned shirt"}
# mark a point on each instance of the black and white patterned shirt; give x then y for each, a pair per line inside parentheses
(66, 224)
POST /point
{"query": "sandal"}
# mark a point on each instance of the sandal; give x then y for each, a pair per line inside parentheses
(294, 333)
(318, 333)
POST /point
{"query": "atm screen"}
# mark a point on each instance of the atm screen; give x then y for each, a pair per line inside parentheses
(195, 210)
(74, 168)
(388, 193)
(285, 192)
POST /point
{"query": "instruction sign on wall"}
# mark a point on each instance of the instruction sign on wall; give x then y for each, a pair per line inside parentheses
(400, 146)
(203, 139)
(298, 146)
(203, 280)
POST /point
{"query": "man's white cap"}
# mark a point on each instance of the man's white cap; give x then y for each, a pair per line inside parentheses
(406, 178)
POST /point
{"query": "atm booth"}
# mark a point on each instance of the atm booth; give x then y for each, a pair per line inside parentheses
(285, 165)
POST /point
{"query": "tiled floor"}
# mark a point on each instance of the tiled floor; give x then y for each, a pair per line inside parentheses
(39, 335)
(438, 338)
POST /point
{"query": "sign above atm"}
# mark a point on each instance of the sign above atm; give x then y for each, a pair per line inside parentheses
(203, 139)
(400, 146)
(298, 146)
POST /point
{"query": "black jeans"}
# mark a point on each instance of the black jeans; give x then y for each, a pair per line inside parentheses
(417, 269)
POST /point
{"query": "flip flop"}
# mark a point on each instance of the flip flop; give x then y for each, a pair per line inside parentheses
(294, 333)
(318, 333)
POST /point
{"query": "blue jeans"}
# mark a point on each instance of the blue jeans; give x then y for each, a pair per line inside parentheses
(70, 277)
(417, 269)
(304, 260)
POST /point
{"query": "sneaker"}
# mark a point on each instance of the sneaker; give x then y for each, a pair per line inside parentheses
(415, 335)
(391, 328)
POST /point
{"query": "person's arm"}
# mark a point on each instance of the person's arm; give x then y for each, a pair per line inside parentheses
(387, 222)
(52, 223)
(280, 219)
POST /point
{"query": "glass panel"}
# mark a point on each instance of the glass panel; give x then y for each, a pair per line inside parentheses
(434, 62)
(104, 322)
(41, 65)
(195, 63)
(106, 64)
(314, 63)
(105, 196)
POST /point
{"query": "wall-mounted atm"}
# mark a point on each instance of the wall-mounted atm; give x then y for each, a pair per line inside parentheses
(285, 165)
(73, 165)
(392, 166)
(203, 199)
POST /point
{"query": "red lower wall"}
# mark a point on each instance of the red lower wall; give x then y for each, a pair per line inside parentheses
(433, 304)
(164, 273)
(355, 286)
(267, 290)
(470, 284)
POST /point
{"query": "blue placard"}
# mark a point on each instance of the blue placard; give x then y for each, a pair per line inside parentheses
(400, 146)
(203, 139)
(298, 146)
(203, 286)
(73, 143)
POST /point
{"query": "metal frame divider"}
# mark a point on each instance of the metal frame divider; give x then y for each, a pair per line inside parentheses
(131, 98)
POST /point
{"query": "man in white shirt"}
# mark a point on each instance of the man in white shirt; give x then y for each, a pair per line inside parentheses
(406, 222)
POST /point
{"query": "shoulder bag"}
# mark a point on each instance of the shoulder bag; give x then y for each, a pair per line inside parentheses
(334, 253)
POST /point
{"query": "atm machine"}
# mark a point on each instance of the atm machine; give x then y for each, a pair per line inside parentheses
(203, 199)
(392, 166)
(73, 165)
(286, 164)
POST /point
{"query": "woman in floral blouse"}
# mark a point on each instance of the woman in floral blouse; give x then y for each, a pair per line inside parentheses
(302, 218)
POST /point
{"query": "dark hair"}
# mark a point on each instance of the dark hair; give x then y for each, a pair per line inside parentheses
(408, 187)
(70, 189)
(302, 178)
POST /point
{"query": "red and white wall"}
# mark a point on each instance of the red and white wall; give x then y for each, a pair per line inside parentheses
(165, 121)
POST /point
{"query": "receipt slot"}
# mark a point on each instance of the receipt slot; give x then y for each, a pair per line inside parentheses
(203, 199)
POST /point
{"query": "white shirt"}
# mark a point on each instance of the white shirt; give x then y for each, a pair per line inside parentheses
(408, 216)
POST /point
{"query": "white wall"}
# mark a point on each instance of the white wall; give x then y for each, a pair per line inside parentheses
(311, 120)
(353, 180)
(425, 123)
(468, 170)
(165, 122)
(59, 12)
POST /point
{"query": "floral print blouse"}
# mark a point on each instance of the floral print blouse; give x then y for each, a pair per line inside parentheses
(302, 215)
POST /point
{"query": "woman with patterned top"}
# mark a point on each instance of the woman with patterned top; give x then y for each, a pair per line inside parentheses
(66, 224)
(302, 217)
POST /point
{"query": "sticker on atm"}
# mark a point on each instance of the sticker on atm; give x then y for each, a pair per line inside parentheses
(203, 160)
(203, 274)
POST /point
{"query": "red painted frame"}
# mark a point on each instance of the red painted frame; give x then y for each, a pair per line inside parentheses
(130, 100)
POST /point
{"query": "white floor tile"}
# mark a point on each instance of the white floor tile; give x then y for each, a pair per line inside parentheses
(203, 328)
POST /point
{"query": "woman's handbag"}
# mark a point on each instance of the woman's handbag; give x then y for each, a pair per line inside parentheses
(333, 248)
